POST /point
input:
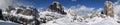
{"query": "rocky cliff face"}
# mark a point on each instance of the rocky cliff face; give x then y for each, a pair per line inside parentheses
(56, 7)
(108, 9)
(1, 16)
(22, 15)
(29, 15)
(29, 11)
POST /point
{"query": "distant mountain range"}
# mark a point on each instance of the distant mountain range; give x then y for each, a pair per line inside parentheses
(55, 13)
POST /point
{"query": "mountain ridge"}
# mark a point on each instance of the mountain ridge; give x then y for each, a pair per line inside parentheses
(56, 14)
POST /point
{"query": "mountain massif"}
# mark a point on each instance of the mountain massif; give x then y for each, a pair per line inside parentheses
(55, 14)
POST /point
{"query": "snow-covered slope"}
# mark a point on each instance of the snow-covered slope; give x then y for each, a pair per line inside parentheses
(68, 20)
(54, 18)
(8, 23)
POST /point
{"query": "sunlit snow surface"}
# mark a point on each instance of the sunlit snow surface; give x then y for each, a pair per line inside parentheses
(94, 21)
(7, 23)
(68, 20)
(59, 19)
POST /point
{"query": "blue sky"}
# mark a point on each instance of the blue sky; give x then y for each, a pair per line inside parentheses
(67, 3)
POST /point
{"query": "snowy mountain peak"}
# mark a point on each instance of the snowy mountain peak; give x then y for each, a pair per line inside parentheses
(108, 9)
(56, 7)
(55, 2)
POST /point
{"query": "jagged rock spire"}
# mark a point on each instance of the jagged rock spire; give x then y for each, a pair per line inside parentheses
(108, 9)
(56, 7)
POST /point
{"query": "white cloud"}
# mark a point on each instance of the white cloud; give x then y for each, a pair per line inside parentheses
(5, 3)
(99, 10)
(82, 10)
(117, 8)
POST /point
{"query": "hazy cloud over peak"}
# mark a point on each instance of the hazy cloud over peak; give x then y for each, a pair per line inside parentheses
(82, 10)
(5, 3)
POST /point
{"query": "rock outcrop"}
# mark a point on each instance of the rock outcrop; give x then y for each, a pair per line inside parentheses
(93, 15)
(29, 11)
(10, 8)
(108, 9)
(1, 16)
(22, 15)
(56, 7)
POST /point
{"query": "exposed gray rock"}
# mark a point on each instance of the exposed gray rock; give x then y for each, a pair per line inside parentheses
(28, 11)
(1, 16)
(10, 8)
(56, 7)
(108, 9)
